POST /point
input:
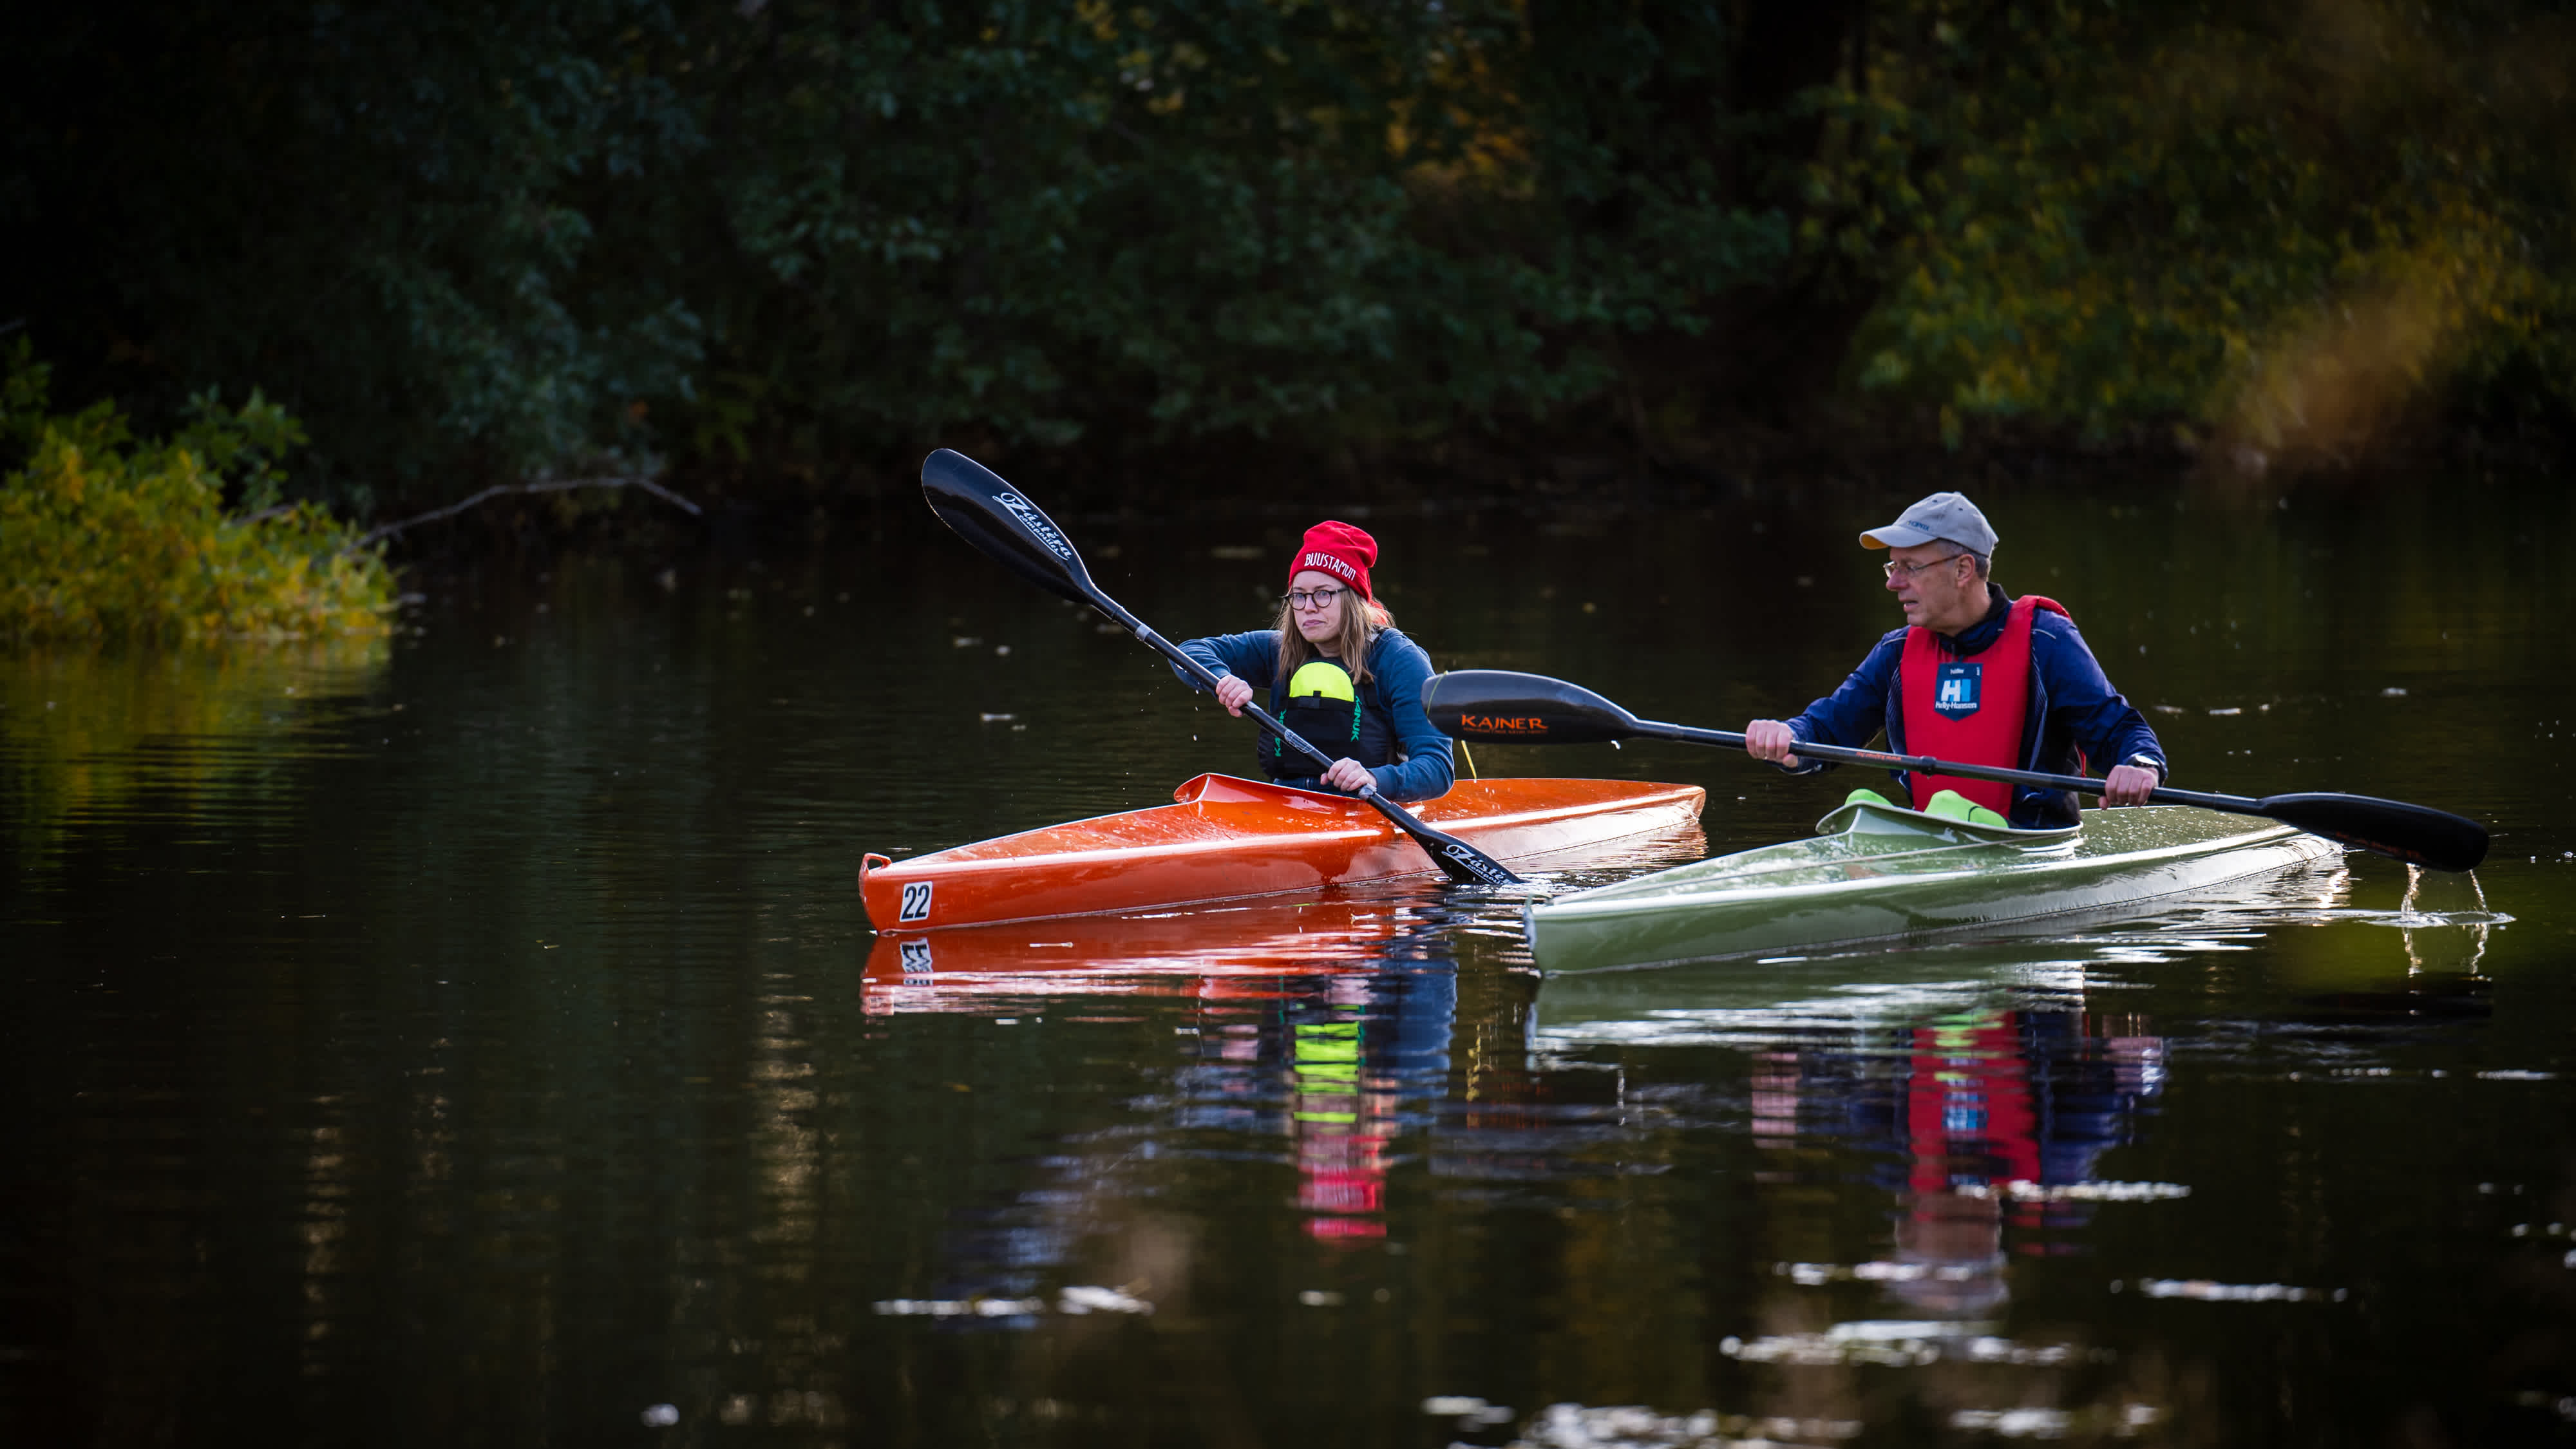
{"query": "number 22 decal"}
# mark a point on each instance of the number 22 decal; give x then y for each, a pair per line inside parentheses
(916, 957)
(916, 901)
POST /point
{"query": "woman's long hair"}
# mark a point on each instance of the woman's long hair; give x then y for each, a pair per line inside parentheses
(1360, 626)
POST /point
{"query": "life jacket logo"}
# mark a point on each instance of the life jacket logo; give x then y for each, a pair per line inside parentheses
(1498, 724)
(1036, 523)
(1958, 689)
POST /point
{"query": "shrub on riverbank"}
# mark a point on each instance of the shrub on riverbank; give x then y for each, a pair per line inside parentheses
(104, 535)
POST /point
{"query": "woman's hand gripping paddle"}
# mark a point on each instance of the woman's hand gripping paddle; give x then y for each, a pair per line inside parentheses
(1498, 704)
(1006, 527)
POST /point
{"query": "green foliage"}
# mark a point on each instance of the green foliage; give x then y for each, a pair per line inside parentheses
(1050, 221)
(485, 239)
(104, 535)
(476, 240)
(390, 217)
(2283, 224)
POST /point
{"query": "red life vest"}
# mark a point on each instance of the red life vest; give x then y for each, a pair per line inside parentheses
(1969, 710)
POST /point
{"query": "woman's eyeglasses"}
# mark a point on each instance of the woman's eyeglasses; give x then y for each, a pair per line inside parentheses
(1313, 598)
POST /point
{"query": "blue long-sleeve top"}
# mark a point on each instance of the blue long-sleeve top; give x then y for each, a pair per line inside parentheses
(1397, 670)
(2072, 708)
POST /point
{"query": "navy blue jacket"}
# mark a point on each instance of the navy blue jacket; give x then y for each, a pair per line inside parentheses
(2072, 707)
(1397, 670)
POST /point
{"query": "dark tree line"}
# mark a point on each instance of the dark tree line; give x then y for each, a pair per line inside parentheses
(787, 240)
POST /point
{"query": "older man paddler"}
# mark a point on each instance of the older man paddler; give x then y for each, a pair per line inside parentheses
(1975, 677)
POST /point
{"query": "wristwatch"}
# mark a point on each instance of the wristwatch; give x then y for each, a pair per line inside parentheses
(2146, 761)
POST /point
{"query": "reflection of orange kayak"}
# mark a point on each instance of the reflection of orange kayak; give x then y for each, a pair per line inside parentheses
(1228, 838)
(1221, 951)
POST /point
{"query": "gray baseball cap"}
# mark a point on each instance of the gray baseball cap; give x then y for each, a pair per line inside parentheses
(1943, 515)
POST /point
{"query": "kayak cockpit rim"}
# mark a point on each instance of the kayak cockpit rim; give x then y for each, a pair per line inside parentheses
(1874, 817)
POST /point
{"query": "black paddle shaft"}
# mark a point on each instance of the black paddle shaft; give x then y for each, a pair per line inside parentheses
(1006, 527)
(1506, 706)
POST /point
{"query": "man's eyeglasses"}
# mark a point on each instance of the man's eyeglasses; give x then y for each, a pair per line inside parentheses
(1313, 598)
(1910, 570)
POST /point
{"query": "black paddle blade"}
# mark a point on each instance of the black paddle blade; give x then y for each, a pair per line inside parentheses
(1464, 863)
(2417, 834)
(1005, 526)
(1529, 709)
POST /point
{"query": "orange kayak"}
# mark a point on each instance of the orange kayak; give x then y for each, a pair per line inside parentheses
(1227, 838)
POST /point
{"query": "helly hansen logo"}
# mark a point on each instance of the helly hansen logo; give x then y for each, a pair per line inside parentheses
(1501, 724)
(1338, 568)
(1958, 689)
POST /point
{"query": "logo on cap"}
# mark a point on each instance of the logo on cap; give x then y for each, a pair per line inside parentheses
(1331, 565)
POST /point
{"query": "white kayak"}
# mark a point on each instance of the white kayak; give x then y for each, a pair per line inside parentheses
(1875, 872)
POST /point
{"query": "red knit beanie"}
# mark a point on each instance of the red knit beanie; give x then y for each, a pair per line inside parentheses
(1337, 549)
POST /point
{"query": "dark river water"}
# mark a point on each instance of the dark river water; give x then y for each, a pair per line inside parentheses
(476, 1038)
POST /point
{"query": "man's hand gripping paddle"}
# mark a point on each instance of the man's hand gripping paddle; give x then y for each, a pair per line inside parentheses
(1006, 527)
(1500, 705)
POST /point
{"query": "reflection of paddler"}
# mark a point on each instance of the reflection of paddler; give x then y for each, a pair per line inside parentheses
(1327, 1064)
(1341, 1153)
(1998, 1098)
(1967, 1107)
(1969, 1123)
(1341, 1164)
(1376, 1037)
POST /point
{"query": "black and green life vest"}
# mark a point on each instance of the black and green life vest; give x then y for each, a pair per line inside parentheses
(1321, 703)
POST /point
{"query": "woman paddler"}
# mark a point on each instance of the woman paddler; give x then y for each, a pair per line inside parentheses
(1340, 674)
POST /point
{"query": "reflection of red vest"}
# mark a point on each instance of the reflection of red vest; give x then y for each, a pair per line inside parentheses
(1969, 710)
(1968, 1108)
